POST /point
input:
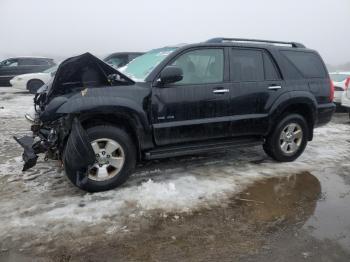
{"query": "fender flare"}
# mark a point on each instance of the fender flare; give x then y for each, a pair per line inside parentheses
(294, 98)
(106, 105)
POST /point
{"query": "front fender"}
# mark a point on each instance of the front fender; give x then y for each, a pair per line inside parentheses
(105, 105)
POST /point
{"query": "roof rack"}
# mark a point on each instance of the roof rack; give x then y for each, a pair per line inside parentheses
(223, 39)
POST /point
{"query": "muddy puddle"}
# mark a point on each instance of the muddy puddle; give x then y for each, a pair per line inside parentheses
(331, 219)
(281, 200)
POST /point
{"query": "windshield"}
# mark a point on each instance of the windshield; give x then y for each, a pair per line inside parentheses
(139, 68)
(51, 69)
(339, 77)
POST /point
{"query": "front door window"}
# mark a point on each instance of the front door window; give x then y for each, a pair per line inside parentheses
(205, 66)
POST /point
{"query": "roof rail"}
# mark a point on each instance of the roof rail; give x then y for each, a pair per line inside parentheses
(223, 39)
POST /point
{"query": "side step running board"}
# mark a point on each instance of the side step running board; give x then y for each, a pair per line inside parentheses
(196, 148)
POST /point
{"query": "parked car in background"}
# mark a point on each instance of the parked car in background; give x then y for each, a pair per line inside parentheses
(341, 81)
(32, 82)
(174, 101)
(121, 59)
(15, 66)
(345, 101)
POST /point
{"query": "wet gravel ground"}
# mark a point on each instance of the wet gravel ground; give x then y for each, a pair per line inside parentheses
(237, 205)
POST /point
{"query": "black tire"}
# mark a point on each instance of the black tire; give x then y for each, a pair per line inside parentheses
(33, 85)
(272, 145)
(125, 141)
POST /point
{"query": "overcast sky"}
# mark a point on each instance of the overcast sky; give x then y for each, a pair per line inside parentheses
(67, 27)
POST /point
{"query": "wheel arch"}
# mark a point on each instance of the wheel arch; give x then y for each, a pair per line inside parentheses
(31, 80)
(129, 123)
(302, 103)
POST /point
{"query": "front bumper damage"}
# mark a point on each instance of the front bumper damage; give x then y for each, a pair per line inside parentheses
(29, 156)
(60, 135)
(76, 153)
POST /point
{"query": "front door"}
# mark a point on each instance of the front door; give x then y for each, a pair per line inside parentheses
(197, 107)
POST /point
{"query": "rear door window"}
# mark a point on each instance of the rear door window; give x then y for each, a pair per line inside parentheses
(247, 65)
(308, 64)
(41, 62)
(28, 62)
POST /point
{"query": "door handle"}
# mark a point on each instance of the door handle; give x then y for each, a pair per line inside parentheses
(274, 87)
(221, 91)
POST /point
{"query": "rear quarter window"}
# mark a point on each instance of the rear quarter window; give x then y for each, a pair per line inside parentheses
(271, 72)
(307, 63)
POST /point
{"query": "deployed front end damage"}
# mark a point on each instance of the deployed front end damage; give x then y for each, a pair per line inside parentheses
(60, 135)
(77, 148)
(29, 155)
(79, 153)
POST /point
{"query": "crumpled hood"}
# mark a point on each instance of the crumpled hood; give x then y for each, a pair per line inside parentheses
(84, 71)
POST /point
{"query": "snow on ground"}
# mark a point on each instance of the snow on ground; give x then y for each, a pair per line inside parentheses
(42, 201)
(13, 103)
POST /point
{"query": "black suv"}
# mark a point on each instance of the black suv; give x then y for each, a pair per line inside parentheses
(12, 67)
(174, 101)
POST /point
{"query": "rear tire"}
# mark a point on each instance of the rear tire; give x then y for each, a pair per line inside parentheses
(287, 141)
(33, 85)
(116, 136)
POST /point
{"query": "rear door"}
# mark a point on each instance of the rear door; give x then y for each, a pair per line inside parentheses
(256, 83)
(197, 107)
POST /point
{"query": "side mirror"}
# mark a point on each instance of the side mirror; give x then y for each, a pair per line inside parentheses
(171, 74)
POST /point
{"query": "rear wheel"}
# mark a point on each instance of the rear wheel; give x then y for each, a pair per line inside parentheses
(288, 140)
(33, 85)
(115, 159)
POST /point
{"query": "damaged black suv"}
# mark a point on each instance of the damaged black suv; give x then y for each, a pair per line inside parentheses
(173, 101)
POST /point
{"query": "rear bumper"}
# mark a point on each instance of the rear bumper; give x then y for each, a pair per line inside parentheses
(324, 114)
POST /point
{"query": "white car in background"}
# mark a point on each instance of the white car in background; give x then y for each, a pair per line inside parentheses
(341, 82)
(345, 101)
(32, 82)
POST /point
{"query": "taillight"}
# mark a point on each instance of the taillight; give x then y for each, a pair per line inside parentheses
(347, 83)
(331, 95)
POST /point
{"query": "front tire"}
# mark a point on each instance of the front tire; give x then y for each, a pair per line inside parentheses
(288, 139)
(115, 155)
